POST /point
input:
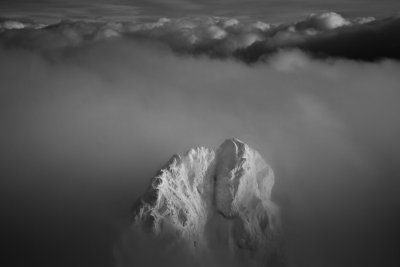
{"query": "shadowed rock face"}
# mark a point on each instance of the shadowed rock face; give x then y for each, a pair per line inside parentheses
(212, 204)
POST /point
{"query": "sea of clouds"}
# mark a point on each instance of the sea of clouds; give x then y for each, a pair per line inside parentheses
(90, 110)
(321, 35)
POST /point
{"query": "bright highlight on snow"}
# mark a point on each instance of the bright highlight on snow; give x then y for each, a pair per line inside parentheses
(214, 202)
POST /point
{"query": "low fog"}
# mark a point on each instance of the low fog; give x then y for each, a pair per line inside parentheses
(84, 128)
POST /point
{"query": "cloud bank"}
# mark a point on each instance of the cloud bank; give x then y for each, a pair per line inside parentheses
(326, 35)
(90, 110)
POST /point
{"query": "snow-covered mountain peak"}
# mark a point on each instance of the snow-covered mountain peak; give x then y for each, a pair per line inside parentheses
(210, 201)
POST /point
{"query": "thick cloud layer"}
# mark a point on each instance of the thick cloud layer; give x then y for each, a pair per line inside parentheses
(90, 111)
(321, 35)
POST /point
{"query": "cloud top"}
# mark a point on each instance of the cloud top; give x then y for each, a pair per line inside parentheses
(321, 35)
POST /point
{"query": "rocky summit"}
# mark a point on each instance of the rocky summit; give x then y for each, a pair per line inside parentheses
(211, 203)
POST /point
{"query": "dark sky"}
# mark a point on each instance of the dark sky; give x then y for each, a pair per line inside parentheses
(269, 10)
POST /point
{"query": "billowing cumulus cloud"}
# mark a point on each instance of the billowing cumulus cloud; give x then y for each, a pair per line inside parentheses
(326, 21)
(90, 110)
(320, 35)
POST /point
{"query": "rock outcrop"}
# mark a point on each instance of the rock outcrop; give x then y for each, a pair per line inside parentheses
(214, 203)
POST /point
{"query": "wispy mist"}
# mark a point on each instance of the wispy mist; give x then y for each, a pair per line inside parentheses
(85, 125)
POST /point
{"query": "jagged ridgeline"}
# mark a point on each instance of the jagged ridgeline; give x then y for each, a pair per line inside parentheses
(213, 207)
